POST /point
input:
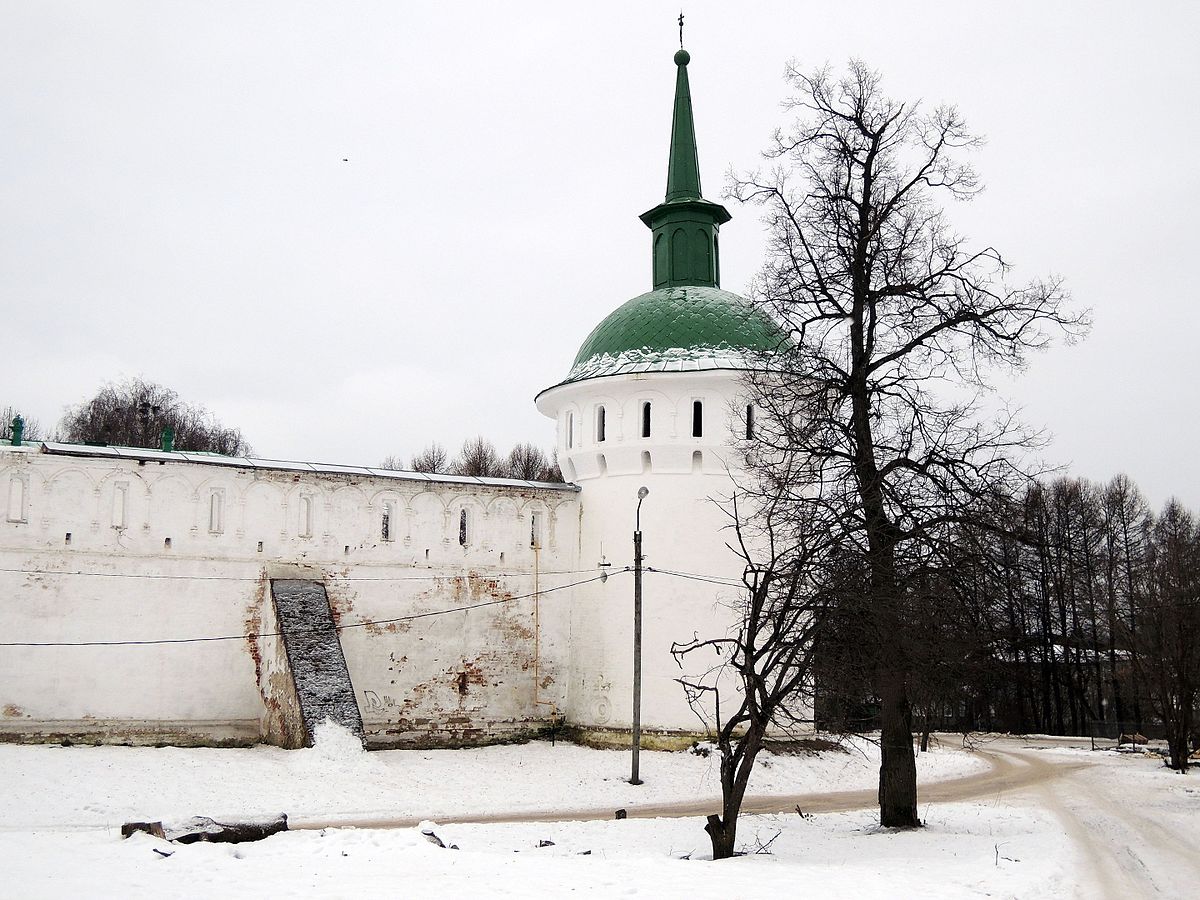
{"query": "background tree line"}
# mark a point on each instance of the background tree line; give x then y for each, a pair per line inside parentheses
(479, 457)
(134, 412)
(1069, 608)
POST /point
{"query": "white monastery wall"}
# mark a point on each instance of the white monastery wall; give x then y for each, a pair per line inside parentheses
(107, 544)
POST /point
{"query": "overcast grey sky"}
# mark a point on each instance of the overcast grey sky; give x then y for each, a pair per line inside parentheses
(174, 201)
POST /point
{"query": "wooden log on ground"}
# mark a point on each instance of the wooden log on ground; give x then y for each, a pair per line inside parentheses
(202, 828)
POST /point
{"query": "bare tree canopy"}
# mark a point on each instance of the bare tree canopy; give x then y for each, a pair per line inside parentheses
(33, 428)
(873, 410)
(134, 413)
(433, 460)
(479, 457)
(529, 462)
(392, 463)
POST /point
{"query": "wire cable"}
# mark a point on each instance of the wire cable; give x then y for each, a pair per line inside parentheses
(710, 579)
(167, 577)
(265, 634)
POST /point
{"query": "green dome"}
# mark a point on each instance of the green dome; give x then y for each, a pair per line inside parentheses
(676, 329)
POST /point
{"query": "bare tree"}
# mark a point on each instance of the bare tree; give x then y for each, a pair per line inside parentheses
(552, 472)
(529, 462)
(895, 323)
(134, 413)
(762, 678)
(1168, 635)
(391, 462)
(33, 428)
(432, 460)
(478, 457)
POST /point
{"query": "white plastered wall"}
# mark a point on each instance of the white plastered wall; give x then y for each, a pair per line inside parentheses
(443, 679)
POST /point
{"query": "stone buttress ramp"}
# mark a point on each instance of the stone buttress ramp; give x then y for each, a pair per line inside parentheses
(315, 657)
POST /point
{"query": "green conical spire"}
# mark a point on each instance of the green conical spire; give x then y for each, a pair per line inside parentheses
(683, 167)
(685, 225)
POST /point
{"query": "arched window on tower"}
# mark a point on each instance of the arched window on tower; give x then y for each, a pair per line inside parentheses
(570, 430)
(697, 418)
(679, 256)
(701, 255)
(600, 424)
(749, 421)
(645, 418)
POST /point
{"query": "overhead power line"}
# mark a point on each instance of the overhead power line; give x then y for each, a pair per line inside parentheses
(265, 634)
(368, 623)
(248, 578)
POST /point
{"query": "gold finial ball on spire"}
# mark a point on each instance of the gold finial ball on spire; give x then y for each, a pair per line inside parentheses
(682, 57)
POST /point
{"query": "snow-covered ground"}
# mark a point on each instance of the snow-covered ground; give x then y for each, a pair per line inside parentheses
(1049, 838)
(64, 787)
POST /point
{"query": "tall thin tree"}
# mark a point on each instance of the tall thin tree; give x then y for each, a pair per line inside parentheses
(895, 324)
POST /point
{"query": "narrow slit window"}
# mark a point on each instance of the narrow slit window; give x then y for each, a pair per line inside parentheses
(462, 528)
(570, 430)
(750, 422)
(646, 419)
(306, 519)
(16, 499)
(387, 524)
(600, 424)
(216, 512)
(535, 530)
(645, 461)
(120, 505)
(697, 418)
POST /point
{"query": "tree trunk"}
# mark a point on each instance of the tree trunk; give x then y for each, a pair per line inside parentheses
(898, 766)
(723, 833)
(735, 777)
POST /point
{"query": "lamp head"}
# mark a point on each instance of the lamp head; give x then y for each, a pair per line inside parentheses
(642, 492)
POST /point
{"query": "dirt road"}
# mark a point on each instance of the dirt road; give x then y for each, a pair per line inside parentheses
(1009, 771)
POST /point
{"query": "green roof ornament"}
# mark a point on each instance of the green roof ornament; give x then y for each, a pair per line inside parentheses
(18, 430)
(686, 323)
(685, 250)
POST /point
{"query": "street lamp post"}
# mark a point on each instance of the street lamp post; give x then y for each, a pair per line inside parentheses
(637, 635)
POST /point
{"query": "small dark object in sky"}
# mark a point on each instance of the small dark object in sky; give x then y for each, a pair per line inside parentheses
(344, 159)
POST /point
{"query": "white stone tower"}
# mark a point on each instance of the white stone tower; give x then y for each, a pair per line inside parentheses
(654, 399)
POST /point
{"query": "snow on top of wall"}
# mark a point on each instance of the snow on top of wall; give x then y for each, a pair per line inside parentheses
(251, 462)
